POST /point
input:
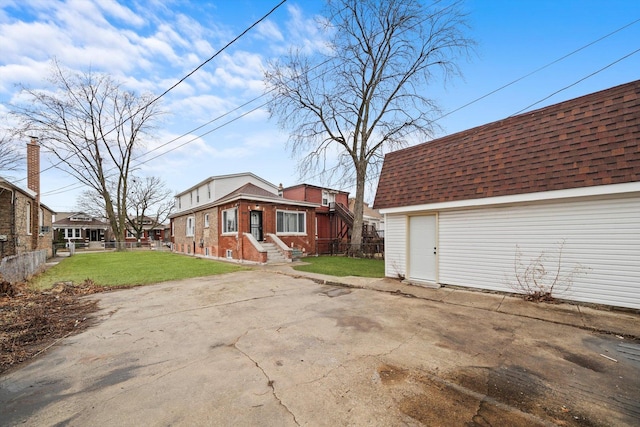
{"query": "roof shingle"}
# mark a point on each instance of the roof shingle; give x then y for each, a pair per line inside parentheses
(586, 141)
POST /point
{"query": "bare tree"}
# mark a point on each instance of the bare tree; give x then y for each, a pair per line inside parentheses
(366, 94)
(150, 204)
(11, 160)
(90, 202)
(93, 126)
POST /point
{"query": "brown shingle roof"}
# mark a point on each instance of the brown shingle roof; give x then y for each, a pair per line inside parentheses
(583, 142)
(248, 189)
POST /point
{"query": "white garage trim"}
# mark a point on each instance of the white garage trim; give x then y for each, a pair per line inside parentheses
(395, 243)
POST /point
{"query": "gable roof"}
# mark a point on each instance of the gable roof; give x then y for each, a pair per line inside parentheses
(247, 190)
(587, 141)
(80, 219)
(251, 192)
(5, 183)
(223, 177)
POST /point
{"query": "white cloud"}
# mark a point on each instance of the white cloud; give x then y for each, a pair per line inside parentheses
(268, 30)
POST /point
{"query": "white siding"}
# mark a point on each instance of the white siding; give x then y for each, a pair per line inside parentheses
(219, 187)
(478, 246)
(395, 245)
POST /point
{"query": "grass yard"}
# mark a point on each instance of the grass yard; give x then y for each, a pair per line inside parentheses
(343, 266)
(129, 268)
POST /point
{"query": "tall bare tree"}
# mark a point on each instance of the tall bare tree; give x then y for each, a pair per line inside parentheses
(94, 127)
(150, 204)
(368, 92)
(11, 159)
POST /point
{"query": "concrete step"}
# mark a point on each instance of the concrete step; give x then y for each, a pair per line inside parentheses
(274, 256)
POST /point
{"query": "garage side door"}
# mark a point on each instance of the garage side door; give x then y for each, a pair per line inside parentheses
(422, 248)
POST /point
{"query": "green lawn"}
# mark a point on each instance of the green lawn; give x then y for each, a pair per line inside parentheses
(129, 268)
(343, 266)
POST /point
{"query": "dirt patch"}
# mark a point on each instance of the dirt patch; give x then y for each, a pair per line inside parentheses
(440, 401)
(32, 321)
(392, 374)
(476, 396)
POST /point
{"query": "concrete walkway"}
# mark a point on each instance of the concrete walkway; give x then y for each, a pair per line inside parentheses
(603, 319)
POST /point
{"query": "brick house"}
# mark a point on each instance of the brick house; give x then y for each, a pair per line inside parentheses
(333, 218)
(561, 183)
(25, 223)
(251, 223)
(81, 228)
(151, 232)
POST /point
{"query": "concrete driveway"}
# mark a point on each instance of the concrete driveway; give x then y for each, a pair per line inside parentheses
(263, 348)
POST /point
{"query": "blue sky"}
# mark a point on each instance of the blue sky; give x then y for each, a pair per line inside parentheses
(149, 45)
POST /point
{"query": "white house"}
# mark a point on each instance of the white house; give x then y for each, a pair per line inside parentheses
(557, 188)
(215, 187)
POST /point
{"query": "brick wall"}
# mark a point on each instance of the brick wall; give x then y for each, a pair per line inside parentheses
(6, 220)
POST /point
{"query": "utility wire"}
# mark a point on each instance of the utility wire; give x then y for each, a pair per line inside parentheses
(537, 70)
(439, 118)
(577, 81)
(154, 100)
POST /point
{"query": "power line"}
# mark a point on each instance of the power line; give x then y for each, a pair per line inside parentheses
(538, 70)
(577, 81)
(186, 76)
(439, 118)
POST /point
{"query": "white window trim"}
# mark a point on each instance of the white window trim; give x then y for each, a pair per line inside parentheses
(229, 233)
(206, 220)
(190, 231)
(292, 233)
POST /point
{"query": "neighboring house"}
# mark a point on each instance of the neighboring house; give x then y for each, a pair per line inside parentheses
(215, 187)
(478, 207)
(81, 228)
(333, 218)
(249, 223)
(151, 231)
(25, 223)
(372, 219)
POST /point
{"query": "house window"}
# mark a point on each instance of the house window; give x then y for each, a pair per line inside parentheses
(327, 198)
(28, 218)
(172, 229)
(209, 191)
(230, 220)
(206, 220)
(191, 228)
(71, 233)
(179, 203)
(191, 198)
(198, 195)
(130, 234)
(290, 222)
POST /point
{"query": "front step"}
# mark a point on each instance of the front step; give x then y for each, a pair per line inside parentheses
(274, 256)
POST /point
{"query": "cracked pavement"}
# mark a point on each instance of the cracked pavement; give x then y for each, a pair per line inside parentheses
(262, 348)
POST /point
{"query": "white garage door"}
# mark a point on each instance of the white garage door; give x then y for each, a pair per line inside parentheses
(478, 247)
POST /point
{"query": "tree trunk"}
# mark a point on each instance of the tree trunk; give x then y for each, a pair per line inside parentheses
(355, 248)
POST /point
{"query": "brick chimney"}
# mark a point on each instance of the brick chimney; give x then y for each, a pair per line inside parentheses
(33, 167)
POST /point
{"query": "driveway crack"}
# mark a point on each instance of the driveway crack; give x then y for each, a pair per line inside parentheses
(270, 382)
